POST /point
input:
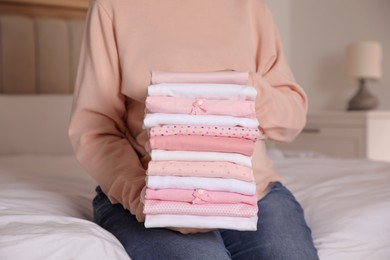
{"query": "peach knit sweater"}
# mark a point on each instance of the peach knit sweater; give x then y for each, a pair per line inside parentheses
(125, 40)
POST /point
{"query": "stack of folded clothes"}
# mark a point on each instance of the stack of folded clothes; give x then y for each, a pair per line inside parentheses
(202, 129)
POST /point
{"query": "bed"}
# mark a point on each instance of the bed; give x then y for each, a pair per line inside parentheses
(45, 195)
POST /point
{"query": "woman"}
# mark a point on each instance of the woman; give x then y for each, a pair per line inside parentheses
(124, 41)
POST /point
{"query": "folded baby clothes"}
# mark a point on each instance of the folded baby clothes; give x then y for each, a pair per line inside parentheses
(202, 144)
(207, 130)
(215, 184)
(185, 208)
(190, 221)
(218, 77)
(199, 196)
(202, 129)
(157, 119)
(196, 106)
(161, 155)
(207, 91)
(215, 169)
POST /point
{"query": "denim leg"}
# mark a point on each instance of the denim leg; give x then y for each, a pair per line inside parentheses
(282, 232)
(155, 243)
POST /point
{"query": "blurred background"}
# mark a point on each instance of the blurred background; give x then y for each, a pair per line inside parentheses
(315, 35)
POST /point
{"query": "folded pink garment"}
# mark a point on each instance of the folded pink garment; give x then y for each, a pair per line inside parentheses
(200, 169)
(200, 196)
(220, 77)
(185, 208)
(202, 144)
(196, 106)
(234, 131)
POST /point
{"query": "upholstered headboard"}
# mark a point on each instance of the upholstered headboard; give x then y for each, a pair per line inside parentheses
(39, 45)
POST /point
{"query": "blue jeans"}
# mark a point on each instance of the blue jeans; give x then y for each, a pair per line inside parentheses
(282, 233)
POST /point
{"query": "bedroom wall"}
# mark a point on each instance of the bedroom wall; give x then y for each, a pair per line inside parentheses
(319, 34)
(281, 10)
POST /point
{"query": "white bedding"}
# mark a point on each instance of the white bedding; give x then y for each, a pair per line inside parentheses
(45, 211)
(45, 207)
(346, 203)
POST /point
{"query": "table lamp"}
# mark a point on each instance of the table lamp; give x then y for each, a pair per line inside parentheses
(364, 60)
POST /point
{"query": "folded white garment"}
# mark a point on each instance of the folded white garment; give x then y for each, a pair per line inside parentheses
(210, 91)
(157, 119)
(188, 221)
(161, 155)
(214, 184)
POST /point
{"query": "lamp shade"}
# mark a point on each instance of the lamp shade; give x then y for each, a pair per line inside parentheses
(364, 60)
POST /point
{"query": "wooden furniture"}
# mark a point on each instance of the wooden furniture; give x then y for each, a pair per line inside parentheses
(346, 134)
(65, 9)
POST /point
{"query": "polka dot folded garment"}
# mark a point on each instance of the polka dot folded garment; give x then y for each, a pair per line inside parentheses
(202, 130)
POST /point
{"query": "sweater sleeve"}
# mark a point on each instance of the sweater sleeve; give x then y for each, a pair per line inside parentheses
(281, 104)
(98, 129)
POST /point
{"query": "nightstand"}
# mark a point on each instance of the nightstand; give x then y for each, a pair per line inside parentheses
(345, 134)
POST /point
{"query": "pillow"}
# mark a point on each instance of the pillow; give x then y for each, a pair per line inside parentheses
(35, 124)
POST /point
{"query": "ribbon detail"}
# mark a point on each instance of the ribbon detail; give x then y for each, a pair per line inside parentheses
(197, 106)
(201, 196)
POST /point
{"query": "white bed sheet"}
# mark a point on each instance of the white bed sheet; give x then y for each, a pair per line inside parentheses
(346, 203)
(45, 211)
(45, 207)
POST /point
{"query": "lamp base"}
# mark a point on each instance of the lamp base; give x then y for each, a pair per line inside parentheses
(363, 99)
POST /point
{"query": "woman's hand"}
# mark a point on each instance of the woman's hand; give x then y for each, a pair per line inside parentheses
(187, 231)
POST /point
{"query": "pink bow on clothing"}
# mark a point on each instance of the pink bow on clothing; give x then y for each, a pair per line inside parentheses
(201, 196)
(197, 105)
